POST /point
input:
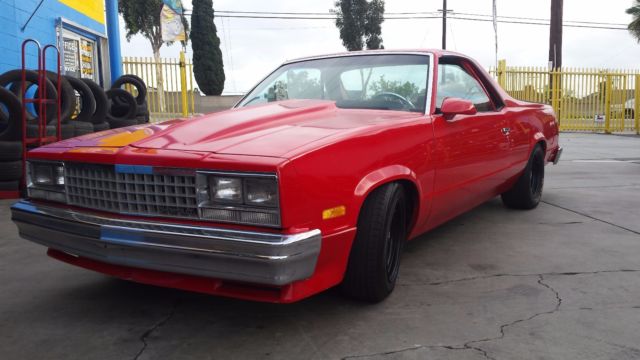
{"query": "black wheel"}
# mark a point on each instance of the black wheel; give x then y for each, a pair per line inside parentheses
(33, 129)
(10, 150)
(67, 131)
(136, 82)
(374, 260)
(13, 78)
(87, 100)
(117, 123)
(11, 120)
(81, 128)
(10, 170)
(102, 102)
(527, 191)
(129, 105)
(101, 126)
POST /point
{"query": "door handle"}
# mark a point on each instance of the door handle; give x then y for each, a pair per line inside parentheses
(506, 131)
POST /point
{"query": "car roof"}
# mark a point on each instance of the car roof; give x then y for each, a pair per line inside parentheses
(436, 52)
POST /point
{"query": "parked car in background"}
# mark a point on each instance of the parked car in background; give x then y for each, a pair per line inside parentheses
(316, 178)
(626, 110)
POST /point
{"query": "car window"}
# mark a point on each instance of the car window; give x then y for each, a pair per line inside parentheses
(455, 81)
(381, 82)
(292, 84)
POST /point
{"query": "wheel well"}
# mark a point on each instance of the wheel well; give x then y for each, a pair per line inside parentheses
(411, 192)
(413, 201)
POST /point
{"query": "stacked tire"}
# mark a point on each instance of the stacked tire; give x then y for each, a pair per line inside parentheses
(125, 109)
(10, 141)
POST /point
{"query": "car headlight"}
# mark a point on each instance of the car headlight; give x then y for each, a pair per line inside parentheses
(45, 180)
(251, 199)
(226, 189)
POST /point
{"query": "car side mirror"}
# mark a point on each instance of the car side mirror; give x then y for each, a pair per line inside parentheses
(455, 106)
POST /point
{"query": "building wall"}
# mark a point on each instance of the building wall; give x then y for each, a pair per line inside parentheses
(42, 27)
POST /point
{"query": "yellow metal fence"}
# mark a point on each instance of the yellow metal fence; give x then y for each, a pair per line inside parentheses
(170, 85)
(594, 100)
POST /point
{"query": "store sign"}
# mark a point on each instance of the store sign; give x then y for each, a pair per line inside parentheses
(87, 58)
(71, 60)
(93, 9)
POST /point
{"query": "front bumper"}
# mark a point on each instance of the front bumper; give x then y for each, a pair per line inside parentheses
(243, 256)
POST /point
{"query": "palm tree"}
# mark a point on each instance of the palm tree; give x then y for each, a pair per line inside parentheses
(634, 25)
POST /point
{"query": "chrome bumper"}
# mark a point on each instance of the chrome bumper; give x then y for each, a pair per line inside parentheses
(557, 157)
(254, 257)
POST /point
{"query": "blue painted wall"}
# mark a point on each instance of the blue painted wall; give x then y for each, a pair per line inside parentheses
(42, 27)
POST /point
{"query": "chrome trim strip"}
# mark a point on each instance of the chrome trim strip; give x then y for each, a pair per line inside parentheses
(168, 229)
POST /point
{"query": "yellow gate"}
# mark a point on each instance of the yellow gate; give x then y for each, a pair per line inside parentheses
(592, 100)
(170, 90)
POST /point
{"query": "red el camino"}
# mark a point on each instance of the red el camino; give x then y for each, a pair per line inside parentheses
(316, 178)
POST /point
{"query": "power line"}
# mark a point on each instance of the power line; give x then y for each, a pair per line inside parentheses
(417, 16)
(394, 15)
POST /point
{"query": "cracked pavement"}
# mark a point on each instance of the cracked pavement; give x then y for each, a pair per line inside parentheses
(558, 282)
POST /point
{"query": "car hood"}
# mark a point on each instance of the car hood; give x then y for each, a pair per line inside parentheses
(280, 129)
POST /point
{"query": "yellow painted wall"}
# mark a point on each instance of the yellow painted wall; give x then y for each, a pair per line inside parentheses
(91, 8)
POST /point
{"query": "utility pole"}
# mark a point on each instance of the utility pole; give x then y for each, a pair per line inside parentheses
(444, 11)
(555, 34)
(444, 24)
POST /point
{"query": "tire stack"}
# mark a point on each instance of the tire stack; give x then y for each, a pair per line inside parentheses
(125, 109)
(10, 141)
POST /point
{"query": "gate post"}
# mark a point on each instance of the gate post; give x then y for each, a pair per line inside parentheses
(607, 104)
(183, 84)
(502, 73)
(636, 104)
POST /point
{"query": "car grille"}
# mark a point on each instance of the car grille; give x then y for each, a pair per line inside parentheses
(100, 187)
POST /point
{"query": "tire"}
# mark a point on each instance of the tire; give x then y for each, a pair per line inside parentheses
(142, 119)
(10, 170)
(102, 102)
(10, 150)
(32, 130)
(14, 78)
(67, 98)
(11, 185)
(67, 131)
(117, 123)
(13, 125)
(527, 191)
(81, 128)
(137, 82)
(374, 260)
(128, 99)
(101, 126)
(87, 101)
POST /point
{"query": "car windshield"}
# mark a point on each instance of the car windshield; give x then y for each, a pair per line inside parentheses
(383, 82)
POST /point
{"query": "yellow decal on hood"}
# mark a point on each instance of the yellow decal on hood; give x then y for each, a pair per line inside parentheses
(125, 138)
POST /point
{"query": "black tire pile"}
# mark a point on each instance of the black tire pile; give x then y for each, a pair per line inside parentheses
(126, 110)
(85, 108)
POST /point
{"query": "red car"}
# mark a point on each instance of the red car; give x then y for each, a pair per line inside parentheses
(316, 178)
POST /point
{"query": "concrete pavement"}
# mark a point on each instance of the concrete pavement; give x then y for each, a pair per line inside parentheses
(559, 282)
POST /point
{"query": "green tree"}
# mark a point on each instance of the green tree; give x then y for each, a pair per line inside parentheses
(360, 23)
(634, 25)
(408, 90)
(143, 17)
(208, 67)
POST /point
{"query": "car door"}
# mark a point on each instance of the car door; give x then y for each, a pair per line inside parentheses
(471, 152)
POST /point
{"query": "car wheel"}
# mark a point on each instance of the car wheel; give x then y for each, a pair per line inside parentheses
(527, 191)
(374, 260)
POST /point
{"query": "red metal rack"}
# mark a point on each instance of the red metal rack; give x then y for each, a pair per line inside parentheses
(40, 101)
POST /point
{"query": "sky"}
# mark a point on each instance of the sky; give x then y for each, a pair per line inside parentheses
(252, 48)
